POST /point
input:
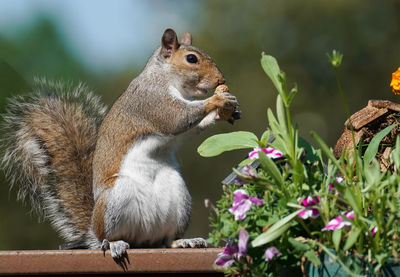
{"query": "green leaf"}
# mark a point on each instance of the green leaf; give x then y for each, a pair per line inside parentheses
(373, 146)
(280, 112)
(269, 236)
(312, 257)
(299, 245)
(396, 153)
(352, 239)
(227, 226)
(353, 200)
(292, 94)
(271, 67)
(215, 145)
(270, 167)
(328, 152)
(275, 231)
(245, 161)
(372, 173)
(265, 137)
(261, 222)
(310, 157)
(336, 237)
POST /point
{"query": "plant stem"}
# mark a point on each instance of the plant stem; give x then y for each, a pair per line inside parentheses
(346, 107)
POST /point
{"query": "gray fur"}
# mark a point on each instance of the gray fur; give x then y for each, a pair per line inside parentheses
(26, 159)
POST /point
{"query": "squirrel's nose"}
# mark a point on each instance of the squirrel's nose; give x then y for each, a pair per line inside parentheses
(221, 81)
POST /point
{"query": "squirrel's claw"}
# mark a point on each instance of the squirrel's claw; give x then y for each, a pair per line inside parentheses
(118, 252)
(189, 243)
(104, 246)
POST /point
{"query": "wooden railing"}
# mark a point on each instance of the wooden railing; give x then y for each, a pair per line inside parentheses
(152, 262)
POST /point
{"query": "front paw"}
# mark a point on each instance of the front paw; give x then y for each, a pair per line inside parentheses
(227, 101)
(230, 110)
(189, 243)
(221, 101)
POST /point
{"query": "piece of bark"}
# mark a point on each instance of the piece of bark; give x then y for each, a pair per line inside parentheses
(384, 104)
(384, 160)
(365, 116)
(345, 142)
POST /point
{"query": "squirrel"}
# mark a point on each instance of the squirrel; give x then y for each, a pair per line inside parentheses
(110, 180)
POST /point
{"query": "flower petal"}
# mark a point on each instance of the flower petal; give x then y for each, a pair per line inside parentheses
(333, 224)
(395, 83)
(304, 214)
(314, 213)
(339, 179)
(350, 215)
(243, 239)
(225, 258)
(271, 253)
(239, 210)
(249, 172)
(239, 195)
(339, 222)
(254, 154)
(269, 151)
(256, 200)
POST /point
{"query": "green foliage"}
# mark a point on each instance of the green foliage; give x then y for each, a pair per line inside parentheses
(215, 145)
(275, 231)
(373, 146)
(365, 200)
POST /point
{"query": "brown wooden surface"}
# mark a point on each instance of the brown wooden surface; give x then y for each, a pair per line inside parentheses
(156, 261)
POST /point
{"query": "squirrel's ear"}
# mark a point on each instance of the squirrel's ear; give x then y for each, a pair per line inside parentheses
(169, 43)
(186, 38)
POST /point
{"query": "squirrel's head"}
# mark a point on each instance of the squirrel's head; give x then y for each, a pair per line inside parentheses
(195, 72)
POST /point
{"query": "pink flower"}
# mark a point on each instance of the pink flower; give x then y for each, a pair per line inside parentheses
(309, 212)
(338, 180)
(271, 153)
(271, 253)
(339, 222)
(243, 203)
(225, 258)
(374, 230)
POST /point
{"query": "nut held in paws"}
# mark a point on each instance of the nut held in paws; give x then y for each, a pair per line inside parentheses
(225, 114)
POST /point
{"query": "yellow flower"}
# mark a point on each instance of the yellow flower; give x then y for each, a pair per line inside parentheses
(395, 83)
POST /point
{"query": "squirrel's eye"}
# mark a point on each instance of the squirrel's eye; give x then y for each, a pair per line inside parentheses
(191, 58)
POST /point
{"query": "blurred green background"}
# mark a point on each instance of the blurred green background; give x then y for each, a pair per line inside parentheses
(106, 43)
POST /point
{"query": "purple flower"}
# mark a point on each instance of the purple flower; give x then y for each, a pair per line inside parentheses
(339, 222)
(248, 172)
(309, 212)
(271, 253)
(225, 258)
(243, 203)
(239, 251)
(239, 182)
(243, 239)
(374, 230)
(271, 153)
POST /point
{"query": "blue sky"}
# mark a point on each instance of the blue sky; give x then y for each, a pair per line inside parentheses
(103, 33)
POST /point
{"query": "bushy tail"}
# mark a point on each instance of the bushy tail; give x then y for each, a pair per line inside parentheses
(48, 142)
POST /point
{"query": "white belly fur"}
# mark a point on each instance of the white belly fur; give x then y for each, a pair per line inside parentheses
(149, 197)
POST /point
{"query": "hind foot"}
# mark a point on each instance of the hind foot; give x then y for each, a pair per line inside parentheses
(118, 252)
(189, 243)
